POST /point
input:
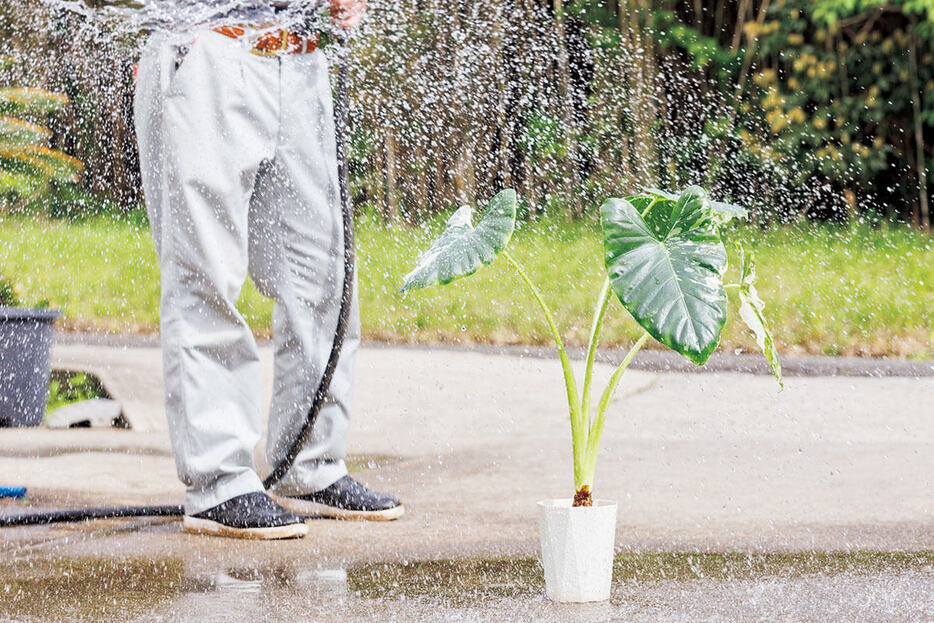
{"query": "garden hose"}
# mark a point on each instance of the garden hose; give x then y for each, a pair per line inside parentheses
(343, 319)
(341, 108)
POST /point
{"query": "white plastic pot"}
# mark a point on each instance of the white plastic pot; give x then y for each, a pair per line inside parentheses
(577, 549)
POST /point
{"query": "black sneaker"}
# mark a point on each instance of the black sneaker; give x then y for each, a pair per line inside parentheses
(346, 499)
(249, 516)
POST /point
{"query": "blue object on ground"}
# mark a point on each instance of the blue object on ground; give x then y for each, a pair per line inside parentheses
(12, 492)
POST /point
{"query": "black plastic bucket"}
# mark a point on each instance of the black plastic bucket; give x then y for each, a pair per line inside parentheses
(25, 364)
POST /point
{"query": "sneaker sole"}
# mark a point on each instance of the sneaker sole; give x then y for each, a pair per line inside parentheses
(194, 525)
(304, 507)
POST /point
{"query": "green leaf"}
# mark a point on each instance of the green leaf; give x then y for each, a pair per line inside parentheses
(664, 194)
(751, 310)
(19, 184)
(462, 249)
(18, 132)
(641, 202)
(724, 212)
(18, 100)
(667, 270)
(50, 163)
(8, 297)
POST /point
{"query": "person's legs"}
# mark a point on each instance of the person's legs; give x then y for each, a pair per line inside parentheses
(296, 257)
(201, 145)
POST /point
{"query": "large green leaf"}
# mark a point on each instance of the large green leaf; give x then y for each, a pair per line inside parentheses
(462, 249)
(667, 269)
(751, 310)
(724, 212)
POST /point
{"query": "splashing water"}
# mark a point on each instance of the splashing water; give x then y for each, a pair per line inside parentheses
(454, 101)
(171, 14)
(451, 101)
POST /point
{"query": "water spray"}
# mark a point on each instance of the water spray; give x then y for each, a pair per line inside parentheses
(341, 109)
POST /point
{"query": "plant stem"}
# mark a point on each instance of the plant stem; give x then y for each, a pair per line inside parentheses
(603, 304)
(596, 431)
(570, 384)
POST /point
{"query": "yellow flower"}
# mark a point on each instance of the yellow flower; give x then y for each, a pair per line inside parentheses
(776, 120)
(796, 115)
(772, 99)
(765, 77)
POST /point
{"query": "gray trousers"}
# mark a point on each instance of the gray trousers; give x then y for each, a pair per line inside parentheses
(238, 159)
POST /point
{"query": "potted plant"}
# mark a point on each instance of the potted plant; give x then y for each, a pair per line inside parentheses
(30, 169)
(25, 359)
(666, 263)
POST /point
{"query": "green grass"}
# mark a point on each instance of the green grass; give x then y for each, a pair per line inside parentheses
(830, 291)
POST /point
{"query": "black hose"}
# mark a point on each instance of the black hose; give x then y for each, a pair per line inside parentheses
(341, 107)
(87, 514)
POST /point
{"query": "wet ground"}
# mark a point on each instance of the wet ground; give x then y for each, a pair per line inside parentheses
(737, 503)
(850, 587)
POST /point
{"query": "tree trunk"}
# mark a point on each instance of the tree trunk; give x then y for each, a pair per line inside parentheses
(641, 83)
(924, 212)
(391, 201)
(570, 132)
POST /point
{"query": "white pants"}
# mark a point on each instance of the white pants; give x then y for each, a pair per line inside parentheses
(238, 160)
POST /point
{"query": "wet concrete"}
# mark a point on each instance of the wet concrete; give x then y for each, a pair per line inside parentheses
(849, 587)
(829, 480)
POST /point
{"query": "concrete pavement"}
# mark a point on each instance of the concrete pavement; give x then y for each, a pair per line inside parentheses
(823, 493)
(471, 441)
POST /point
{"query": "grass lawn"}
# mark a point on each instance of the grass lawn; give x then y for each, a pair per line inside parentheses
(829, 291)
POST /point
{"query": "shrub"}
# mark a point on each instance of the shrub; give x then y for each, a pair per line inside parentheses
(30, 169)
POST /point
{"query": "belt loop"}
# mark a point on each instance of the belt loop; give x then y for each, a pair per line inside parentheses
(285, 40)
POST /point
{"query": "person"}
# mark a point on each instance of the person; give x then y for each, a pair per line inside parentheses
(238, 156)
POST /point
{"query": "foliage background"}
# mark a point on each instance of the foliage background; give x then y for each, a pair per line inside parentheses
(807, 111)
(821, 109)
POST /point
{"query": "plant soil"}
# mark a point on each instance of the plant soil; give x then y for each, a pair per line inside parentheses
(583, 497)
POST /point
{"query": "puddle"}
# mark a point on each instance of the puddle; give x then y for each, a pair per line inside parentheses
(357, 463)
(82, 589)
(513, 577)
(860, 586)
